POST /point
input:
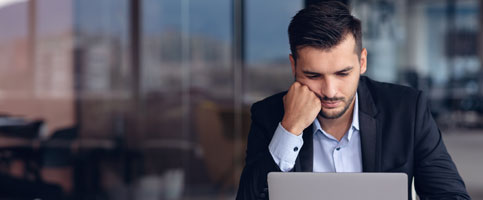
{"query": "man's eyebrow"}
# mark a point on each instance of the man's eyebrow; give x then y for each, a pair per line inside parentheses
(345, 69)
(340, 71)
(310, 72)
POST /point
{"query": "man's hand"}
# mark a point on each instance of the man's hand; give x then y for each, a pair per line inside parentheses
(301, 108)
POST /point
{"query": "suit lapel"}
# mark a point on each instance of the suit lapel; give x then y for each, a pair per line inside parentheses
(307, 152)
(368, 134)
(304, 162)
(368, 127)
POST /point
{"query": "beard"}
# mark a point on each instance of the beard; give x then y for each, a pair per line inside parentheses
(337, 114)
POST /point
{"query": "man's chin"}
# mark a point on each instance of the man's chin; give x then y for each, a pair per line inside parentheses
(332, 114)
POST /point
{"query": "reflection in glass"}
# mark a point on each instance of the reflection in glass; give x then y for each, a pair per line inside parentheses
(267, 68)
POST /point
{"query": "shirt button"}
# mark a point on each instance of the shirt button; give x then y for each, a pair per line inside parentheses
(295, 149)
(338, 148)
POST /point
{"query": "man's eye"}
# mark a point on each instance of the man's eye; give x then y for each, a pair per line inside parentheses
(343, 74)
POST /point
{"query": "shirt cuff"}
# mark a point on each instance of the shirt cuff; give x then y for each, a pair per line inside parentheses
(285, 148)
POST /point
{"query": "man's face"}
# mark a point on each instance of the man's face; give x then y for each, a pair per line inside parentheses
(333, 75)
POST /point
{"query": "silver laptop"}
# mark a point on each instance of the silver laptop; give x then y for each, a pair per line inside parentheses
(339, 186)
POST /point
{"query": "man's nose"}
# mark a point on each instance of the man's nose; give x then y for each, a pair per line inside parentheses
(328, 89)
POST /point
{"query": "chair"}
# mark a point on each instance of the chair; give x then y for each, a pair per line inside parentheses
(215, 128)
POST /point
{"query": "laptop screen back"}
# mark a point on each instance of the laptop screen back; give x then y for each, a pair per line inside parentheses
(340, 186)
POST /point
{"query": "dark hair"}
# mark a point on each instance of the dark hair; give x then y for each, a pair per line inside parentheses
(323, 25)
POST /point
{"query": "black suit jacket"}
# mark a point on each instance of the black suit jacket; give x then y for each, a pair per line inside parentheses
(398, 134)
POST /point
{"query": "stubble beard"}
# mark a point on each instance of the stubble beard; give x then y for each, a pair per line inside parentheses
(338, 114)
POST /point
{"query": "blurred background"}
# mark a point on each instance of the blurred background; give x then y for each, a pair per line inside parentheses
(150, 99)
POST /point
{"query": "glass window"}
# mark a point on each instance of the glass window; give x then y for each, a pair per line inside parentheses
(267, 66)
(102, 64)
(187, 94)
(15, 55)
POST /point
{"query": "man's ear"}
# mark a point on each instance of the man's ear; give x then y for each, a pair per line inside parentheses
(363, 61)
(292, 63)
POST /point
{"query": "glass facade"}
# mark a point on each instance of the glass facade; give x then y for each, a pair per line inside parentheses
(267, 48)
(150, 99)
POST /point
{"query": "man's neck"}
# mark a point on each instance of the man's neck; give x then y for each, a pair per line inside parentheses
(338, 127)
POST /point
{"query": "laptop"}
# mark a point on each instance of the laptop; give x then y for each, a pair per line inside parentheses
(339, 186)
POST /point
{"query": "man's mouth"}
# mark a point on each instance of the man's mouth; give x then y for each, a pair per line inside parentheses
(330, 104)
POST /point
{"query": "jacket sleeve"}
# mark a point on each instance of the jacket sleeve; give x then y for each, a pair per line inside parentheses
(436, 176)
(258, 162)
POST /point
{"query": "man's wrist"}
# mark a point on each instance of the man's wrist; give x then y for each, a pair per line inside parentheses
(291, 129)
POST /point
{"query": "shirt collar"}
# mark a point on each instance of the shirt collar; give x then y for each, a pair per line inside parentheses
(355, 120)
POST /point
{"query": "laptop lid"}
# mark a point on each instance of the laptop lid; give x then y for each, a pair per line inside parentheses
(340, 186)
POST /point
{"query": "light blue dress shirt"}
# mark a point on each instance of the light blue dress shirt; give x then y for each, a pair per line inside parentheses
(330, 155)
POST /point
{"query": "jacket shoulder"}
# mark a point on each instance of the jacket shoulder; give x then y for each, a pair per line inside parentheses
(271, 101)
(269, 109)
(389, 94)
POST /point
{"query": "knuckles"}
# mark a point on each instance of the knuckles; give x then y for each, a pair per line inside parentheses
(301, 90)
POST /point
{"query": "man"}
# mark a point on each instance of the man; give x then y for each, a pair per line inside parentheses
(332, 119)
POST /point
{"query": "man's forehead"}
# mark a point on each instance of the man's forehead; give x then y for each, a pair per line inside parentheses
(318, 62)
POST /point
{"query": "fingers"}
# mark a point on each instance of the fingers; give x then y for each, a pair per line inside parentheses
(301, 106)
(298, 86)
(301, 93)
